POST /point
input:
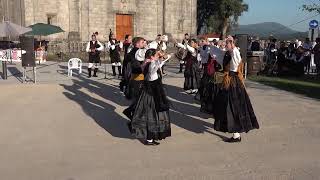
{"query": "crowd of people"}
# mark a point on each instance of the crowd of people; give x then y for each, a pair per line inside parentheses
(212, 70)
(286, 58)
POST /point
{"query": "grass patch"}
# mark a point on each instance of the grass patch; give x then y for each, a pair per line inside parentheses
(308, 85)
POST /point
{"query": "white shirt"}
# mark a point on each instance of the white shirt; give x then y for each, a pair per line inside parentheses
(140, 54)
(235, 60)
(189, 48)
(153, 68)
(98, 49)
(164, 46)
(113, 46)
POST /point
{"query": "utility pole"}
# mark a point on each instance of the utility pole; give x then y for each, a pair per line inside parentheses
(164, 16)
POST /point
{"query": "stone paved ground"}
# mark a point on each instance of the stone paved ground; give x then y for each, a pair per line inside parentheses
(73, 129)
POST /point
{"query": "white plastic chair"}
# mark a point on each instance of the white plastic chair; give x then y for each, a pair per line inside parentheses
(74, 63)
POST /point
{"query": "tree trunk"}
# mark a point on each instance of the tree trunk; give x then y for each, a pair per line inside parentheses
(225, 25)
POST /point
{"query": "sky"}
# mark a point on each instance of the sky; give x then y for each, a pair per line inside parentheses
(286, 12)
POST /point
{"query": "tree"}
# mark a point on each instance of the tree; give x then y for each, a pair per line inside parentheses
(205, 13)
(229, 11)
(315, 7)
(220, 15)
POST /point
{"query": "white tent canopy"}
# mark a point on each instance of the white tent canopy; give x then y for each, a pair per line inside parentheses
(9, 29)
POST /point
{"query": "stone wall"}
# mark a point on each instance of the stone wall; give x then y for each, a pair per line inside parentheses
(84, 17)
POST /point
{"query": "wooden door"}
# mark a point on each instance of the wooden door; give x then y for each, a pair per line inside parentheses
(123, 26)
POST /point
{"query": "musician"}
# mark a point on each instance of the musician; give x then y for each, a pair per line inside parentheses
(94, 47)
(316, 51)
(161, 46)
(127, 44)
(184, 42)
(114, 46)
(307, 46)
(186, 39)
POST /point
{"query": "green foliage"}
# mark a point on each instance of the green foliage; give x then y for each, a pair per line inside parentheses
(216, 14)
(308, 85)
(315, 7)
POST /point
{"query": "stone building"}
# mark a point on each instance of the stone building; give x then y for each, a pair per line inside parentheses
(80, 18)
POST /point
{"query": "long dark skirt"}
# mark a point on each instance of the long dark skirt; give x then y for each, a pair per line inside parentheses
(151, 117)
(124, 84)
(192, 77)
(133, 93)
(209, 91)
(233, 111)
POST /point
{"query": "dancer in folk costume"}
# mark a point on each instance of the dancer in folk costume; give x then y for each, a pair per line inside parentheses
(114, 46)
(151, 121)
(137, 43)
(94, 47)
(203, 57)
(233, 111)
(210, 85)
(127, 47)
(192, 70)
(135, 59)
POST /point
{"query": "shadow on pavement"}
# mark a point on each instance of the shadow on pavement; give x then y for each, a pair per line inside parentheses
(104, 114)
(101, 112)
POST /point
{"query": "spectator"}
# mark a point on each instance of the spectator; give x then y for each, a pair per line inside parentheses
(316, 51)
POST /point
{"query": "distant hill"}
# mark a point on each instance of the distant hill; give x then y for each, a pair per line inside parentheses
(264, 30)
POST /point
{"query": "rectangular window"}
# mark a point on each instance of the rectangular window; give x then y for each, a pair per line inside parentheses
(51, 19)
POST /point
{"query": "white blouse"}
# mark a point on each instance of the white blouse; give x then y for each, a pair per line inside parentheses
(98, 49)
(113, 46)
(189, 48)
(154, 67)
(235, 60)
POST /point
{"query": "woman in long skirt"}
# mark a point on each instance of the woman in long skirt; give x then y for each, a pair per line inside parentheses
(208, 88)
(233, 111)
(151, 121)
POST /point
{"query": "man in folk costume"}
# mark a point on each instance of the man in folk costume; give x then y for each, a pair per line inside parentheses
(127, 47)
(161, 45)
(184, 42)
(94, 47)
(127, 44)
(114, 48)
(135, 79)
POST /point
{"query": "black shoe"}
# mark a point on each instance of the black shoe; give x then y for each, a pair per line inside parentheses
(89, 76)
(156, 143)
(233, 140)
(95, 75)
(153, 143)
(127, 112)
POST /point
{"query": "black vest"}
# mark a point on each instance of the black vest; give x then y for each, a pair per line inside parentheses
(94, 57)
